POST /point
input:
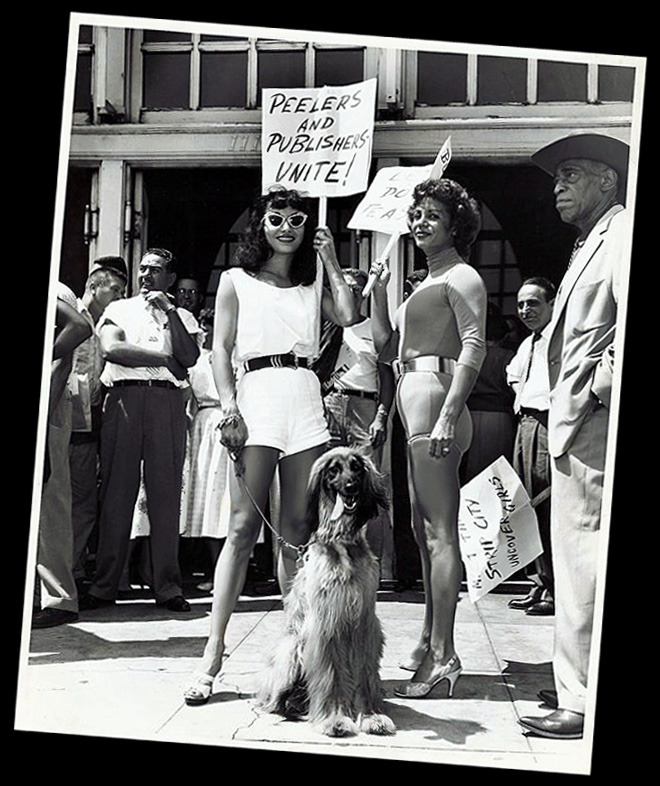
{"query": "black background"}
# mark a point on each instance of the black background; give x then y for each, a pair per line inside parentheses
(627, 673)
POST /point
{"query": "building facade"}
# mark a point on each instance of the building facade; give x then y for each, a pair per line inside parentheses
(165, 146)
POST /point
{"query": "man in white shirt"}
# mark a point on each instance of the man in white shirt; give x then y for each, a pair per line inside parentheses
(148, 345)
(527, 373)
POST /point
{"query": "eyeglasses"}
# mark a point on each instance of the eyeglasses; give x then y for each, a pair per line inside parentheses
(295, 220)
(183, 291)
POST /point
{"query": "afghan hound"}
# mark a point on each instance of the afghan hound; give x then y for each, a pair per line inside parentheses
(326, 665)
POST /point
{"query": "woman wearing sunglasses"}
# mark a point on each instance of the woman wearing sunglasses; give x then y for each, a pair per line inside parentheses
(266, 333)
(439, 340)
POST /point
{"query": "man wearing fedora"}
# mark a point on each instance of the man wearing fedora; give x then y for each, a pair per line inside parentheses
(590, 172)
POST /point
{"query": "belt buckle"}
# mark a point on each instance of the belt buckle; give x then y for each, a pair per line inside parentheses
(296, 363)
(396, 367)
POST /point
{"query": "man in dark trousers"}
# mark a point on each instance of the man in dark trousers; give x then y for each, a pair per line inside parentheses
(590, 172)
(147, 344)
(527, 374)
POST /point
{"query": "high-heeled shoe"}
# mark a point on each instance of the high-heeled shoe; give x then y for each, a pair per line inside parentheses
(200, 690)
(451, 671)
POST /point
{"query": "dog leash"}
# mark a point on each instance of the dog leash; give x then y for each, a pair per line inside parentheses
(300, 550)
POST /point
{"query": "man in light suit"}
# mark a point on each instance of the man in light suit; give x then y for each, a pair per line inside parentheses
(590, 172)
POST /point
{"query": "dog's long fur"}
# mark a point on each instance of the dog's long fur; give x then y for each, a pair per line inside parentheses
(326, 666)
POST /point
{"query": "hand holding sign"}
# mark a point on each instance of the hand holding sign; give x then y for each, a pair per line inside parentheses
(380, 269)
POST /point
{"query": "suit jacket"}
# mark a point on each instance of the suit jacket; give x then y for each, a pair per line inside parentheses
(581, 342)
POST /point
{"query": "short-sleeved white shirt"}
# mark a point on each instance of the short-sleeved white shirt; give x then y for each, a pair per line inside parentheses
(148, 327)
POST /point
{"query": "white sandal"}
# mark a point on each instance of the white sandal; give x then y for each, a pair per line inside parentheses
(200, 691)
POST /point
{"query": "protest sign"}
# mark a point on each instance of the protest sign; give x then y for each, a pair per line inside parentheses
(497, 527)
(384, 207)
(318, 140)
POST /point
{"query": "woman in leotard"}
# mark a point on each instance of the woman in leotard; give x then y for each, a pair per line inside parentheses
(439, 334)
(266, 333)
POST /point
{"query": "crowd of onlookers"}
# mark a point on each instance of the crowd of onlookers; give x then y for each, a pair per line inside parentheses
(358, 393)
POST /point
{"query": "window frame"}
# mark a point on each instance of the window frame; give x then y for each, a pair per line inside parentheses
(197, 47)
(532, 105)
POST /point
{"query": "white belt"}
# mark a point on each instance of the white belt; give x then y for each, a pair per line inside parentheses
(425, 363)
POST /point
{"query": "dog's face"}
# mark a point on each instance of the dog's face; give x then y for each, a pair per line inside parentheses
(343, 482)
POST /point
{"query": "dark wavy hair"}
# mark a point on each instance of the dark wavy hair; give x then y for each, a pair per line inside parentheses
(464, 215)
(254, 251)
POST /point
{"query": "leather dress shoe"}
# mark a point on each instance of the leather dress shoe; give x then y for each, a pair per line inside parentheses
(529, 600)
(559, 725)
(177, 603)
(549, 697)
(50, 617)
(542, 608)
(89, 602)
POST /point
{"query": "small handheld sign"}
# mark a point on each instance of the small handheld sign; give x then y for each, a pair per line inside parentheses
(384, 207)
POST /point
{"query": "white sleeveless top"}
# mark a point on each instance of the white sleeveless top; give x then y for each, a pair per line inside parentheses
(275, 320)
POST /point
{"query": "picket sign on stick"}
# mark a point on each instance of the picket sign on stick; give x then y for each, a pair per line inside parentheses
(384, 207)
(497, 527)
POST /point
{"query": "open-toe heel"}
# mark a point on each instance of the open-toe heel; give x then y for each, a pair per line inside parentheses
(451, 671)
(200, 690)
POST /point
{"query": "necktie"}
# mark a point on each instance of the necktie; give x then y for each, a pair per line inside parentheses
(525, 375)
(576, 247)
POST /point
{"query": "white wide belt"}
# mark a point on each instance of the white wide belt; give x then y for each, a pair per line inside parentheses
(425, 363)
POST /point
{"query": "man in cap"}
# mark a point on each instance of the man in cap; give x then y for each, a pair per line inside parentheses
(590, 172)
(106, 282)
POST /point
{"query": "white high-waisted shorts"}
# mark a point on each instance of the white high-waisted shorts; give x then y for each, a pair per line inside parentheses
(282, 409)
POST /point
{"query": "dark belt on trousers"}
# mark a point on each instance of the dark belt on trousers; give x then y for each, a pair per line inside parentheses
(144, 383)
(369, 394)
(538, 414)
(288, 360)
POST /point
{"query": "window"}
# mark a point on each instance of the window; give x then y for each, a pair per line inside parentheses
(562, 81)
(223, 79)
(166, 80)
(615, 83)
(501, 80)
(195, 71)
(441, 78)
(280, 68)
(339, 66)
(82, 96)
(436, 81)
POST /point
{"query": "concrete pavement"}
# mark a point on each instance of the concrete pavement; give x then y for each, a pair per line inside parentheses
(121, 672)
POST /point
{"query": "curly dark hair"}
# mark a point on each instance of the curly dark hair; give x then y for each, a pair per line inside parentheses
(464, 215)
(254, 250)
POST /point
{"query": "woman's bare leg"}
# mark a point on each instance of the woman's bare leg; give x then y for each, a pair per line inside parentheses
(419, 652)
(436, 496)
(231, 567)
(294, 476)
